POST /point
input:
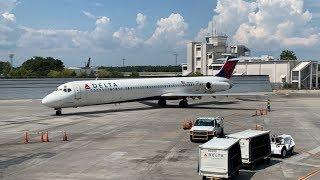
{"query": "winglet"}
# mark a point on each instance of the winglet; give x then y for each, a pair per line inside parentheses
(228, 67)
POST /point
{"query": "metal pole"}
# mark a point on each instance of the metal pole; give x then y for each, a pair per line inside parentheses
(176, 58)
(11, 55)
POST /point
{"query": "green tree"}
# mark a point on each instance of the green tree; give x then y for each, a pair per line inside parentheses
(6, 70)
(65, 73)
(196, 74)
(143, 68)
(4, 66)
(134, 74)
(41, 66)
(54, 74)
(82, 74)
(19, 73)
(287, 55)
(68, 73)
(102, 73)
(116, 74)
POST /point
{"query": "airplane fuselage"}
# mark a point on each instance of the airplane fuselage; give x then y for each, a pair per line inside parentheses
(94, 92)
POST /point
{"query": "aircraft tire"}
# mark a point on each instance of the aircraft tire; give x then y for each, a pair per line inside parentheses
(162, 102)
(58, 112)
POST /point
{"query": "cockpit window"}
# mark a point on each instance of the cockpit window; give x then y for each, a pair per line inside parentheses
(67, 90)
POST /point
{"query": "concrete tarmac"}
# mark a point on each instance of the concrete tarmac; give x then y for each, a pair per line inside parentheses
(141, 141)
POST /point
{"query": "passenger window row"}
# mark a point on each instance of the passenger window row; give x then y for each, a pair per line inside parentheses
(142, 87)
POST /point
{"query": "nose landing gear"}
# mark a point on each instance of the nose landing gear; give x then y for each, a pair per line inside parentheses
(183, 103)
(58, 112)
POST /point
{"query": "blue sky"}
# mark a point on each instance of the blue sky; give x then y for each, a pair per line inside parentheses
(148, 32)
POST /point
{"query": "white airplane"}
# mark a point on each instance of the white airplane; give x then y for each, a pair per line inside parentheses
(94, 92)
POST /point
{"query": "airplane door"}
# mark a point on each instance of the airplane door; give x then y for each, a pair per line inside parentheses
(77, 91)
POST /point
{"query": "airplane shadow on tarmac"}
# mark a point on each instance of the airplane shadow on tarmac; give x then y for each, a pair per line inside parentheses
(154, 105)
(20, 159)
(199, 105)
(108, 111)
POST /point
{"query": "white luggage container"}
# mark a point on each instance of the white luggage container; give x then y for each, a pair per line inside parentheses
(255, 145)
(219, 158)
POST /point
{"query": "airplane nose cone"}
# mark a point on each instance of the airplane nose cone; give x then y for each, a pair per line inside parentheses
(49, 101)
(45, 101)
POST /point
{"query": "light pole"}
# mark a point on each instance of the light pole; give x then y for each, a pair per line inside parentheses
(123, 60)
(11, 55)
(176, 58)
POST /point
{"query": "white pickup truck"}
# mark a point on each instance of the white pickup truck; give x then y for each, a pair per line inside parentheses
(205, 128)
(282, 145)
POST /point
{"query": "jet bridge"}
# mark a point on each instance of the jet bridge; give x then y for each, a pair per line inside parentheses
(305, 75)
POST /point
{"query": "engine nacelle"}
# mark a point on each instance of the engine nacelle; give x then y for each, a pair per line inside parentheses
(208, 86)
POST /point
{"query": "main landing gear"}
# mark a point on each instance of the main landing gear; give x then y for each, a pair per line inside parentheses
(162, 102)
(58, 112)
(183, 103)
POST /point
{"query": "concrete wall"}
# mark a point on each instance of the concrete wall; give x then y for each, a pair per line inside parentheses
(275, 69)
(249, 84)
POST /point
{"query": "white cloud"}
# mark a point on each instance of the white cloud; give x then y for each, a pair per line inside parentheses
(9, 17)
(230, 14)
(103, 20)
(8, 32)
(89, 15)
(48, 38)
(7, 5)
(170, 30)
(127, 37)
(264, 24)
(141, 20)
(98, 4)
(100, 38)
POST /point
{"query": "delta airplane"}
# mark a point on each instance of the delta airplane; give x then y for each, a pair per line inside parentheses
(95, 92)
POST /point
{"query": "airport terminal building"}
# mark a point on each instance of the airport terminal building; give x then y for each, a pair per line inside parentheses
(207, 58)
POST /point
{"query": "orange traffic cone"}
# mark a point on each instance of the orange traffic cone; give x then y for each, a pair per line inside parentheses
(26, 138)
(65, 137)
(42, 137)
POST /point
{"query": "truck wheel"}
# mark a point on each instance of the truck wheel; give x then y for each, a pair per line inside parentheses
(251, 166)
(283, 153)
(292, 151)
(222, 133)
(191, 139)
(236, 173)
(268, 160)
(204, 178)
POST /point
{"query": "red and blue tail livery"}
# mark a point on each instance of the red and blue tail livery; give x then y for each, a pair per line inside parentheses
(228, 67)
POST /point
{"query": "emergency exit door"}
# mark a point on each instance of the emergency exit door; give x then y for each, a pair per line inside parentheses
(77, 91)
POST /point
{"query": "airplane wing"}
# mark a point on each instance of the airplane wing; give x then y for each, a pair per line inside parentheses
(216, 94)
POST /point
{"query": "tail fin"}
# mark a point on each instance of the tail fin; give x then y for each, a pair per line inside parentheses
(228, 67)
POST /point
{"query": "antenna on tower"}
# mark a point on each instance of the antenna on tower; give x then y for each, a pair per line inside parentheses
(215, 28)
(212, 27)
